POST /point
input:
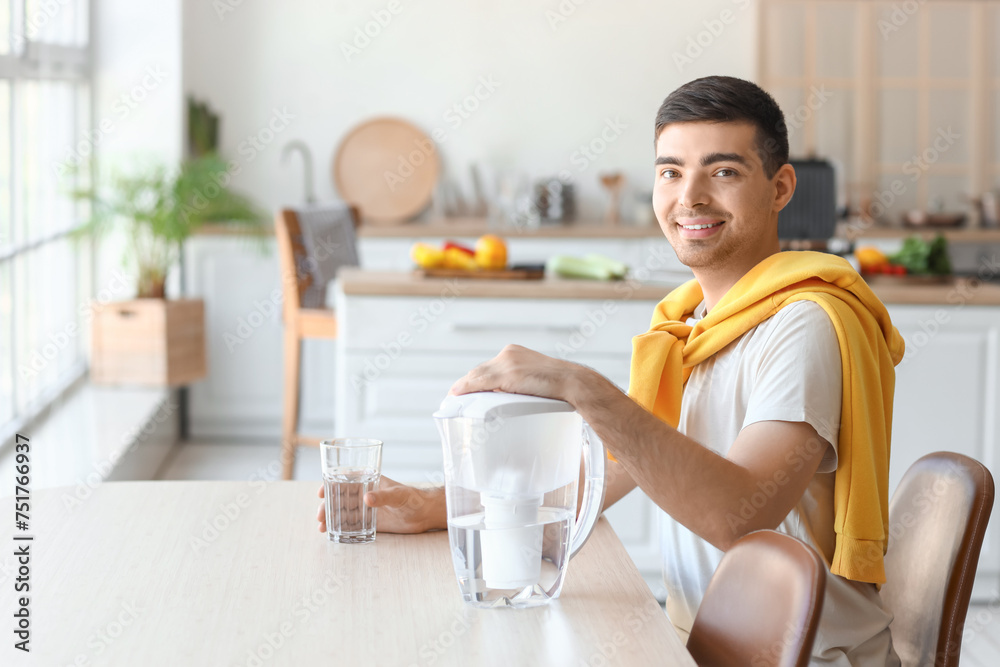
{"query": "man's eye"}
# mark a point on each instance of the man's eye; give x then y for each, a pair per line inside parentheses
(726, 172)
(668, 173)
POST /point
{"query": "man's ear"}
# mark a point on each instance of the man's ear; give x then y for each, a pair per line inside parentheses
(784, 186)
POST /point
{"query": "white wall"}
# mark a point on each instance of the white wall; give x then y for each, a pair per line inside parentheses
(559, 81)
(137, 102)
(138, 86)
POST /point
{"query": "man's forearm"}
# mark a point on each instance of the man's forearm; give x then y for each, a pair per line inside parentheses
(693, 484)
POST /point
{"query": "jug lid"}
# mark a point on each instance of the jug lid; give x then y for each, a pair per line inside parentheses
(493, 404)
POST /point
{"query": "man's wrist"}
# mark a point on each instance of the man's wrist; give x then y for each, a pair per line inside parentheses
(436, 518)
(584, 387)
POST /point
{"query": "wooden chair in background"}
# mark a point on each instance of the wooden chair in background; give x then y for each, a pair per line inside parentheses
(300, 323)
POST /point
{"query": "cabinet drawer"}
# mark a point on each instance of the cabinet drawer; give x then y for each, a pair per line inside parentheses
(558, 327)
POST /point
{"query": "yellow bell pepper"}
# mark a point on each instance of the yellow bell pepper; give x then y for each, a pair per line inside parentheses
(427, 256)
(455, 258)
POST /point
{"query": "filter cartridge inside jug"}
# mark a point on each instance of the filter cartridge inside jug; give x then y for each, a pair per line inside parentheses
(512, 541)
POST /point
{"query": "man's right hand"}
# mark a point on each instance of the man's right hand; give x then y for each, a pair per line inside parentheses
(404, 509)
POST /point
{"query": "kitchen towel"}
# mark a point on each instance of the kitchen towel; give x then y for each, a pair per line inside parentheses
(328, 237)
(870, 348)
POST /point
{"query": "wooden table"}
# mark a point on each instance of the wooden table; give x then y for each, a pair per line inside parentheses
(235, 573)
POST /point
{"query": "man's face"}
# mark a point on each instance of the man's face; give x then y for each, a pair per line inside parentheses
(711, 196)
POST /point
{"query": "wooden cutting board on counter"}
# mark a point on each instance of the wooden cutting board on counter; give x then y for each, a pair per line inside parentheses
(503, 274)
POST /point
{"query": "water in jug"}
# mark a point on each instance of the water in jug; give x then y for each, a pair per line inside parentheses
(512, 465)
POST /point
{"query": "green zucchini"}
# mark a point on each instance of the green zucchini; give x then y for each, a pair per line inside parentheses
(617, 269)
(575, 267)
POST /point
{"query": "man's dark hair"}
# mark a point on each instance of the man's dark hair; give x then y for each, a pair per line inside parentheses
(726, 99)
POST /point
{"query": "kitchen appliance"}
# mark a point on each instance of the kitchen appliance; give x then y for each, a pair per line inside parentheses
(555, 200)
(811, 213)
(511, 465)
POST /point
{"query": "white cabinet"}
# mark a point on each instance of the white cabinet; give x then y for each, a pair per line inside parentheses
(948, 398)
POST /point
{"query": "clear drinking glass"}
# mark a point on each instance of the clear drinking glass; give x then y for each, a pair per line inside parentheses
(351, 468)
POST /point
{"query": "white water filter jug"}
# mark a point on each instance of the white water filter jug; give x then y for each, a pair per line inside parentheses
(512, 465)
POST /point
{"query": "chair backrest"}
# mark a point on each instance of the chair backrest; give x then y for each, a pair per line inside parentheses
(762, 605)
(937, 520)
(293, 259)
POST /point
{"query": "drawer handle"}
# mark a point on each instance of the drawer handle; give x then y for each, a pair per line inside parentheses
(511, 327)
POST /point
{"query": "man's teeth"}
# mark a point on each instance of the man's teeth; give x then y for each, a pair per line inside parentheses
(714, 224)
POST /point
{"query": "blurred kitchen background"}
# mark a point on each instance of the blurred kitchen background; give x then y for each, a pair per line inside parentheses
(541, 114)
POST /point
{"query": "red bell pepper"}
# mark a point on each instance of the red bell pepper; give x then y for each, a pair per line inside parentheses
(458, 246)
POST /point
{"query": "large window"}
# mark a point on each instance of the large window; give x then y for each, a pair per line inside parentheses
(903, 96)
(44, 273)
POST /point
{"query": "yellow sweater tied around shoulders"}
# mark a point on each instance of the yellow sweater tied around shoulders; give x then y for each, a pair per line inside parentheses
(870, 348)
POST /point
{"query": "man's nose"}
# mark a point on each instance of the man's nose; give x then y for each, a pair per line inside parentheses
(695, 193)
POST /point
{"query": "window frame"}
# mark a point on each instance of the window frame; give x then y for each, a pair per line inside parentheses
(28, 60)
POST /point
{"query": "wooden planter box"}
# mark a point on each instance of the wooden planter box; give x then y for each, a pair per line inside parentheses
(151, 342)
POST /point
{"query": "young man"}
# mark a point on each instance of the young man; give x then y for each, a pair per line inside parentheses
(761, 396)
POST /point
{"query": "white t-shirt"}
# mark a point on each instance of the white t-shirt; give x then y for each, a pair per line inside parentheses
(787, 368)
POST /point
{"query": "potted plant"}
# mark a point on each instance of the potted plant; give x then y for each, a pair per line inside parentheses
(151, 340)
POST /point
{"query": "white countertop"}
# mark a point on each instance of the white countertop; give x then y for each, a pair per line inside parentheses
(214, 573)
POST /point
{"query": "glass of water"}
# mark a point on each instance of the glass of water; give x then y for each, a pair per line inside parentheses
(351, 468)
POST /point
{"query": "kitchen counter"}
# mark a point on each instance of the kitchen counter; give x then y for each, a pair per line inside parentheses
(356, 281)
(890, 290)
(225, 573)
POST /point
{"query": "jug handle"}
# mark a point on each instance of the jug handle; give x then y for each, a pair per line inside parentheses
(593, 489)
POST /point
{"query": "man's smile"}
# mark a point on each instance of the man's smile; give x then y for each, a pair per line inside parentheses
(697, 228)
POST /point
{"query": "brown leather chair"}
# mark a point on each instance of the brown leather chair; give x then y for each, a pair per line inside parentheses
(300, 323)
(937, 520)
(762, 605)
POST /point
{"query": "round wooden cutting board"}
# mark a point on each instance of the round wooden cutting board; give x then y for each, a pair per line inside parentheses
(388, 169)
